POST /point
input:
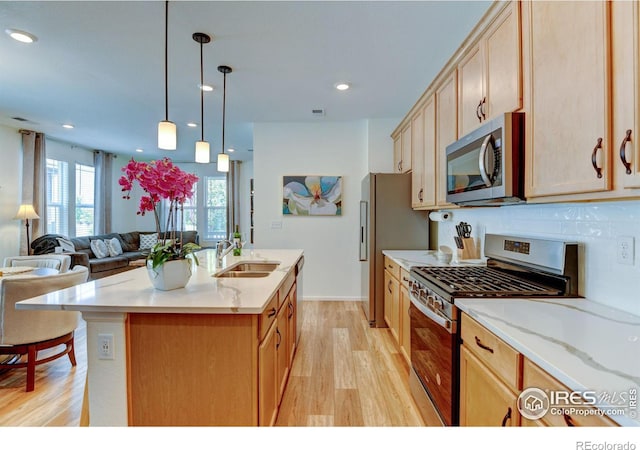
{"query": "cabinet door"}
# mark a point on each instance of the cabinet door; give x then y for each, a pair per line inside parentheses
(626, 94)
(405, 163)
(405, 325)
(429, 155)
(484, 399)
(417, 159)
(446, 133)
(503, 56)
(388, 297)
(292, 323)
(471, 90)
(397, 154)
(568, 122)
(268, 386)
(282, 353)
(395, 309)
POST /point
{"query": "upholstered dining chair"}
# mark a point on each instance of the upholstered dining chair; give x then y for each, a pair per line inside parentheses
(61, 263)
(27, 332)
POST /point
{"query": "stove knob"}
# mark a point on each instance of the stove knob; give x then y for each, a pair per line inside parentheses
(430, 300)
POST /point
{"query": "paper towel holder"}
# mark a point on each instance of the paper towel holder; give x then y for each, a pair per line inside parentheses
(440, 216)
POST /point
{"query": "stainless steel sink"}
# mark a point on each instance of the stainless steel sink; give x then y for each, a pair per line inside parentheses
(246, 274)
(254, 267)
(248, 270)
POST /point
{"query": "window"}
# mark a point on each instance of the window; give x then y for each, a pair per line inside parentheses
(57, 197)
(85, 178)
(70, 215)
(190, 210)
(215, 208)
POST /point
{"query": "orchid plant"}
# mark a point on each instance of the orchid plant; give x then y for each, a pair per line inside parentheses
(162, 180)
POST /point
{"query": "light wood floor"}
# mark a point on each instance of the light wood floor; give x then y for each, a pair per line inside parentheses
(344, 374)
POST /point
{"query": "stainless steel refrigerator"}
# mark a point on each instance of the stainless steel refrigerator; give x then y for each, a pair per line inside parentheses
(387, 222)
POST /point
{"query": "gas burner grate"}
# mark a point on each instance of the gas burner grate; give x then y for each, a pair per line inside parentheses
(482, 281)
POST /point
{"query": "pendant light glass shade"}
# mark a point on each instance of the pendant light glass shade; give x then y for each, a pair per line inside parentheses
(167, 131)
(167, 135)
(202, 152)
(223, 162)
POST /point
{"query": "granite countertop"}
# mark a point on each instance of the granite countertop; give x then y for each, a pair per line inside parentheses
(583, 344)
(132, 291)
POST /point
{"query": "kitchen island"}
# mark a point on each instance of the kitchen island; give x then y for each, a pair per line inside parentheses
(216, 352)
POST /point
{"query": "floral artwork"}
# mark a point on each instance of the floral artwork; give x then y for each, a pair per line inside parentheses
(312, 196)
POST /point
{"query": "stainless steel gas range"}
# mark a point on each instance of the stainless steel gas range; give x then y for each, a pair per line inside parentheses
(516, 267)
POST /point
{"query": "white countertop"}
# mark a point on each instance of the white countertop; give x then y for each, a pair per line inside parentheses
(583, 344)
(132, 291)
(409, 258)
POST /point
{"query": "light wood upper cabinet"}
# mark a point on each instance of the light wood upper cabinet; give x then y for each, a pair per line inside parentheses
(566, 64)
(402, 150)
(417, 159)
(423, 175)
(446, 132)
(625, 29)
(490, 74)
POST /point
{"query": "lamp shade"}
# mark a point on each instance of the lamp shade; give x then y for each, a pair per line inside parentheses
(167, 135)
(26, 212)
(202, 152)
(223, 162)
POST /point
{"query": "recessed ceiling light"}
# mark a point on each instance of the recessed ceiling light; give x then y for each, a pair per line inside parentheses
(205, 87)
(342, 86)
(67, 125)
(192, 124)
(21, 36)
(231, 150)
(139, 150)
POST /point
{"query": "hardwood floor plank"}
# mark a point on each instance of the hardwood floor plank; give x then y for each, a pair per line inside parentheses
(344, 374)
(348, 408)
(320, 421)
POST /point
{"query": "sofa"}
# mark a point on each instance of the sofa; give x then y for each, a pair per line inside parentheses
(83, 254)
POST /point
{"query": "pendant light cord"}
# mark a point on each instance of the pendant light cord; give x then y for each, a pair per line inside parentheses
(201, 94)
(166, 60)
(224, 107)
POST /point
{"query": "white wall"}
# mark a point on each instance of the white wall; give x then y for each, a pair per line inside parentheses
(380, 144)
(10, 181)
(596, 226)
(332, 268)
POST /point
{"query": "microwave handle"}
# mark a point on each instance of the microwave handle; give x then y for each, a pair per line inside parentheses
(488, 141)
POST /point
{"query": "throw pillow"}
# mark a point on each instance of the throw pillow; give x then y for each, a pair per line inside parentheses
(114, 247)
(147, 241)
(99, 248)
(67, 245)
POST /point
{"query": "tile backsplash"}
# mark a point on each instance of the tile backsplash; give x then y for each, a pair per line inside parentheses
(595, 226)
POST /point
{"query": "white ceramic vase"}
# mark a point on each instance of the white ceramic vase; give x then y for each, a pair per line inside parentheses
(171, 275)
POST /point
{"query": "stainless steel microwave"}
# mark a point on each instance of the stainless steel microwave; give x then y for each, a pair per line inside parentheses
(486, 167)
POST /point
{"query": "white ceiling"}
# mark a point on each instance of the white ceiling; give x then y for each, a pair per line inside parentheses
(100, 65)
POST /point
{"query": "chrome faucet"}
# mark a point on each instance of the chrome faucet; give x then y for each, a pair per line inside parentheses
(221, 252)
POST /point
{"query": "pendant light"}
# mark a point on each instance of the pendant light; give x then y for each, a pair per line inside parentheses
(202, 146)
(167, 133)
(223, 159)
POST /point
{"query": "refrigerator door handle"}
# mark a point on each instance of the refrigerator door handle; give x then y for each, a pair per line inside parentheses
(363, 231)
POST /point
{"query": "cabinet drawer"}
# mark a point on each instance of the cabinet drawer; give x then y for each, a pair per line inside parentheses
(404, 278)
(267, 317)
(534, 376)
(285, 287)
(503, 360)
(392, 266)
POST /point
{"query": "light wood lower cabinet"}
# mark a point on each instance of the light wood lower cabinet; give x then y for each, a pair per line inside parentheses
(231, 369)
(489, 378)
(396, 305)
(484, 399)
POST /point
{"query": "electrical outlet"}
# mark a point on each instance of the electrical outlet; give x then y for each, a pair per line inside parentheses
(625, 249)
(105, 346)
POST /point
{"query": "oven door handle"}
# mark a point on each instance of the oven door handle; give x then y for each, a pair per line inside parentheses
(442, 321)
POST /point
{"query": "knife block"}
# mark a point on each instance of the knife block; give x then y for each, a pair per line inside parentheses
(469, 250)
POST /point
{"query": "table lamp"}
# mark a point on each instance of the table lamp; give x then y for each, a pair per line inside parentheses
(25, 213)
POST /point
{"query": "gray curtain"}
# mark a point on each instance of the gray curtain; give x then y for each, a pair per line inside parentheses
(103, 164)
(34, 178)
(233, 197)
